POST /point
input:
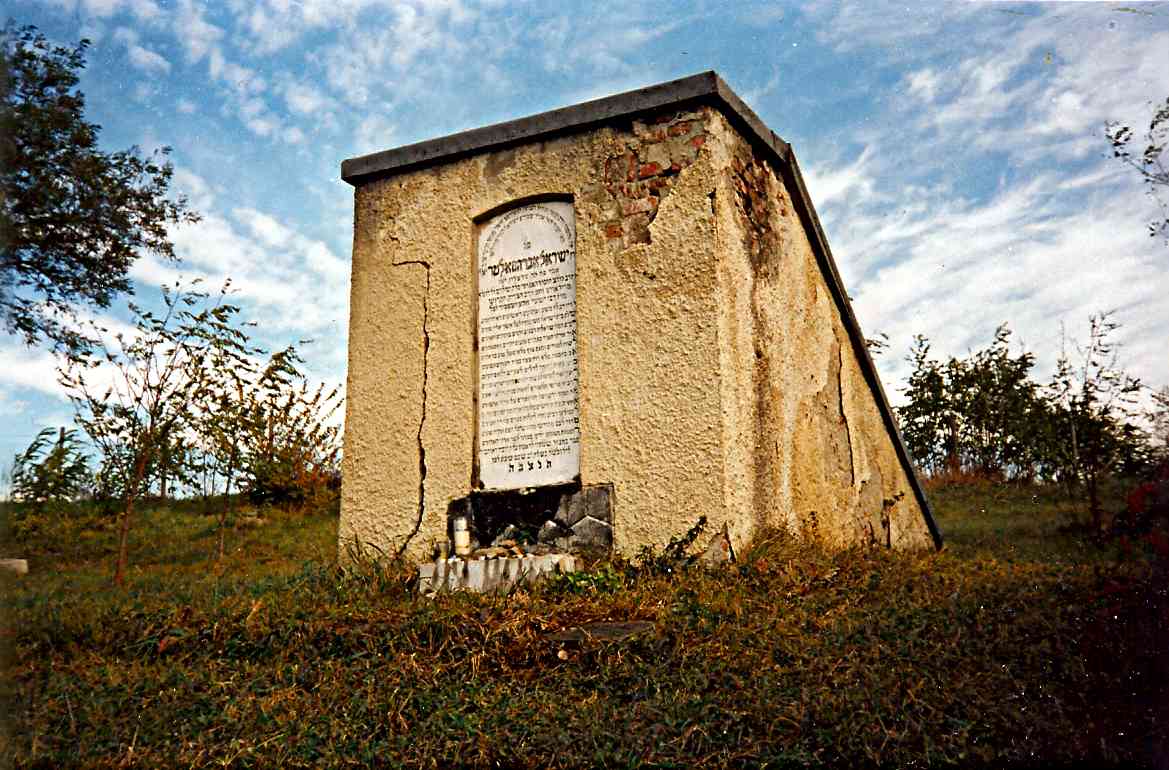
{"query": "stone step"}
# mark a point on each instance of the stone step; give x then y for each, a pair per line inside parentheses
(490, 575)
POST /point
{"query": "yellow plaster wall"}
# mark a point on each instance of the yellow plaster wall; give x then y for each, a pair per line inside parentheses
(647, 349)
(702, 376)
(805, 445)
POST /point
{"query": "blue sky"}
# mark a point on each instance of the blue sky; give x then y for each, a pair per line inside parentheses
(955, 151)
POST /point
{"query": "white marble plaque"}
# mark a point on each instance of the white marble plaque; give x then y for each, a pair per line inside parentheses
(529, 414)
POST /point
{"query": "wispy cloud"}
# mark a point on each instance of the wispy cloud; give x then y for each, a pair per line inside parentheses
(140, 56)
(1058, 235)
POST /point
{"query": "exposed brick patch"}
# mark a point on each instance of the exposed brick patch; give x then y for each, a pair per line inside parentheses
(756, 207)
(640, 177)
(637, 228)
(648, 169)
(639, 206)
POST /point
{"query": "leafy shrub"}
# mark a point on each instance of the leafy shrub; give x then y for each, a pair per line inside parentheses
(49, 471)
(46, 477)
(293, 452)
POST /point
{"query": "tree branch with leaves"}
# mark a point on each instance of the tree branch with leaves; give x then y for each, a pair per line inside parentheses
(73, 217)
(1149, 161)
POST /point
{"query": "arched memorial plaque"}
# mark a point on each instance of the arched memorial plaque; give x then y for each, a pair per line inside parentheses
(529, 413)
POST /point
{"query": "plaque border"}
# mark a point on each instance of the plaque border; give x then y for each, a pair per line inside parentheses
(477, 221)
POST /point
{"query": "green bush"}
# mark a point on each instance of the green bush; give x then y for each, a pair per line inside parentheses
(46, 478)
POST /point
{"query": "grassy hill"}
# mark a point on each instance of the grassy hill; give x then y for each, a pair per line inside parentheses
(1019, 645)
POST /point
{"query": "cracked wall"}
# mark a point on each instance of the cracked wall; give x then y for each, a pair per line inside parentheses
(716, 378)
(806, 447)
(647, 352)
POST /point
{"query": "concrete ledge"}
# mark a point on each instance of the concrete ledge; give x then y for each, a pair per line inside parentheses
(703, 87)
(486, 575)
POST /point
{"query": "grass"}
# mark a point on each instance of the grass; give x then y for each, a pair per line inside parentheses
(1020, 644)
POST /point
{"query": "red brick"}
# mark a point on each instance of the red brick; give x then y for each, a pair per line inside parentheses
(698, 141)
(649, 169)
(613, 231)
(680, 128)
(658, 183)
(639, 206)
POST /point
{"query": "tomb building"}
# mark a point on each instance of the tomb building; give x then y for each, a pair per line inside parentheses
(592, 326)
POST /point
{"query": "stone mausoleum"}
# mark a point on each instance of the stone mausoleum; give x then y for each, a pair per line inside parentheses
(594, 325)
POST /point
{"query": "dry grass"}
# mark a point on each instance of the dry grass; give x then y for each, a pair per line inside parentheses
(1017, 645)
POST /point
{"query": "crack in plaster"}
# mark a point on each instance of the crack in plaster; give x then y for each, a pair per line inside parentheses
(422, 420)
(844, 415)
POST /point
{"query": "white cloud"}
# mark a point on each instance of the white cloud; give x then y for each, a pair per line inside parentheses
(29, 368)
(145, 10)
(955, 270)
(261, 126)
(243, 80)
(101, 8)
(198, 191)
(147, 60)
(886, 24)
(756, 95)
(305, 99)
(1058, 235)
(9, 404)
(191, 28)
(141, 57)
(373, 134)
(288, 282)
(836, 185)
(923, 84)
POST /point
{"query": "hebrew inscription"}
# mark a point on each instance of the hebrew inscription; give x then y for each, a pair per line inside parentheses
(529, 413)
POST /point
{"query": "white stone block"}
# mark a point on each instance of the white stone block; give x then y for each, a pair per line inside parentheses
(490, 575)
(19, 566)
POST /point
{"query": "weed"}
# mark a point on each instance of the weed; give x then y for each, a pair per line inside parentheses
(604, 579)
(674, 556)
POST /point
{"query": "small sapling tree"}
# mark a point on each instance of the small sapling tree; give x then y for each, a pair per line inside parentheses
(1093, 399)
(152, 377)
(981, 414)
(927, 420)
(293, 448)
(52, 470)
(222, 419)
(1159, 419)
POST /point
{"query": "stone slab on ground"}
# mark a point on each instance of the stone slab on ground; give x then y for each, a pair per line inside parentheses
(602, 631)
(19, 566)
(490, 575)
